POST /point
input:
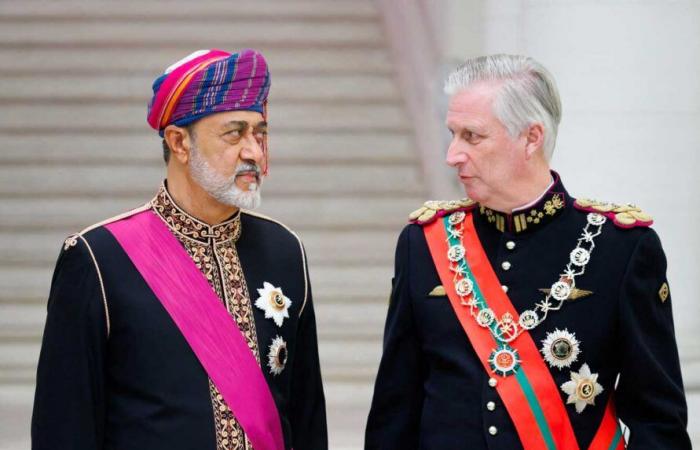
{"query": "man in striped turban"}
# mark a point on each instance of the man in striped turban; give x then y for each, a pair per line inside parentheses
(188, 95)
(187, 323)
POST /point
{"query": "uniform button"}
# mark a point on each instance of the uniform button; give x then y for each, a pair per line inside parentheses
(505, 288)
(490, 406)
(493, 382)
(493, 430)
(505, 265)
(510, 245)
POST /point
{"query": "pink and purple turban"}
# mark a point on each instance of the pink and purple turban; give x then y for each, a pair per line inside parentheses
(207, 82)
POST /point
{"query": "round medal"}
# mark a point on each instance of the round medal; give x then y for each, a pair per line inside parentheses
(596, 219)
(561, 290)
(455, 253)
(580, 256)
(485, 317)
(504, 361)
(560, 348)
(528, 319)
(456, 218)
(464, 287)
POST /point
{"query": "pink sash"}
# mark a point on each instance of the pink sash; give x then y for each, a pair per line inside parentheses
(204, 322)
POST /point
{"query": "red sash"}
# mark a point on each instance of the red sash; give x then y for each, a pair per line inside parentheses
(530, 396)
(205, 323)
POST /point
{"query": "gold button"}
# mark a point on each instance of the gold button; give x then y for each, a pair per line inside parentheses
(493, 382)
(493, 430)
(510, 245)
(505, 265)
(490, 406)
(505, 288)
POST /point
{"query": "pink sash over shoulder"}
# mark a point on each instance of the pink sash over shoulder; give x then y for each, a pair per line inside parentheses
(205, 323)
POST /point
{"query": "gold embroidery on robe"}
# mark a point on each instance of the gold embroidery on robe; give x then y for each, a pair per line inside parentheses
(213, 250)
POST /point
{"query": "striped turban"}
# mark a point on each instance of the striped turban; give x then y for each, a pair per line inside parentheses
(207, 82)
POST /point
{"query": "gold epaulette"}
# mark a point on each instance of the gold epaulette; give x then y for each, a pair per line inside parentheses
(434, 209)
(624, 216)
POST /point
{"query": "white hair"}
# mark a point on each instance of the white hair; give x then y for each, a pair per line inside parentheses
(224, 189)
(528, 93)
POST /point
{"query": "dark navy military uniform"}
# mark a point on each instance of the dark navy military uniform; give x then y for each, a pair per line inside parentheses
(116, 373)
(432, 391)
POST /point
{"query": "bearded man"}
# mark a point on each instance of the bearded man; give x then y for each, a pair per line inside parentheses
(187, 323)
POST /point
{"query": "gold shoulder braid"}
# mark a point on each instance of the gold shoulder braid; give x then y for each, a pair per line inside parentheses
(624, 216)
(434, 209)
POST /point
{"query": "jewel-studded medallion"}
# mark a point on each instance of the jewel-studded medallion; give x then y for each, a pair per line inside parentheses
(560, 348)
(274, 303)
(485, 317)
(596, 219)
(580, 256)
(582, 389)
(561, 290)
(277, 356)
(464, 287)
(457, 217)
(504, 360)
(456, 253)
(528, 319)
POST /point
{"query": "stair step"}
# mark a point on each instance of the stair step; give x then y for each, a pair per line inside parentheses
(147, 62)
(341, 360)
(218, 33)
(334, 284)
(184, 10)
(291, 180)
(36, 118)
(322, 247)
(141, 147)
(136, 89)
(73, 214)
(335, 321)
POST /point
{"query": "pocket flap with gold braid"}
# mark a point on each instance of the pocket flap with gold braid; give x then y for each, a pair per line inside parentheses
(438, 291)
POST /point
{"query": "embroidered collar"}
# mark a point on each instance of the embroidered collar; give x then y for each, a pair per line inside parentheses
(183, 224)
(549, 206)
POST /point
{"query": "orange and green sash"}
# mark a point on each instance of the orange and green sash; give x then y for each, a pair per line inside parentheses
(530, 395)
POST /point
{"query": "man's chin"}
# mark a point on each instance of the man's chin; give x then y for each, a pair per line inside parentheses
(474, 193)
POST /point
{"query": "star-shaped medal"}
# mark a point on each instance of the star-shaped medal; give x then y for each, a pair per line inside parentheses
(582, 389)
(274, 303)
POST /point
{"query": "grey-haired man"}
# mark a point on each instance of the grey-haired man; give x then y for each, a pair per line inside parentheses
(514, 311)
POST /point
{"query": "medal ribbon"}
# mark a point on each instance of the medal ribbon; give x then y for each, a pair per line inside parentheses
(530, 396)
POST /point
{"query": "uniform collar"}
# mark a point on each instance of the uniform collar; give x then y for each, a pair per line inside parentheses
(183, 224)
(533, 216)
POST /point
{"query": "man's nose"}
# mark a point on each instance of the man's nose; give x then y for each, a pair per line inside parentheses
(455, 155)
(252, 150)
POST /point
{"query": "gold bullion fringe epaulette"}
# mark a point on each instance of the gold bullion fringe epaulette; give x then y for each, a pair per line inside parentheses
(434, 209)
(624, 216)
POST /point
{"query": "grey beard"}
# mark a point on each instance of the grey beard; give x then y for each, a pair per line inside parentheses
(224, 189)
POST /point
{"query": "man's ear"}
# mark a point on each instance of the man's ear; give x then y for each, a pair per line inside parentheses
(534, 139)
(180, 142)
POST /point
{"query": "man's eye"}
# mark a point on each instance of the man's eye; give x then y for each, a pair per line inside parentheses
(233, 133)
(471, 137)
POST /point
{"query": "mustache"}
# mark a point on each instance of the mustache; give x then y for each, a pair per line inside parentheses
(247, 167)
